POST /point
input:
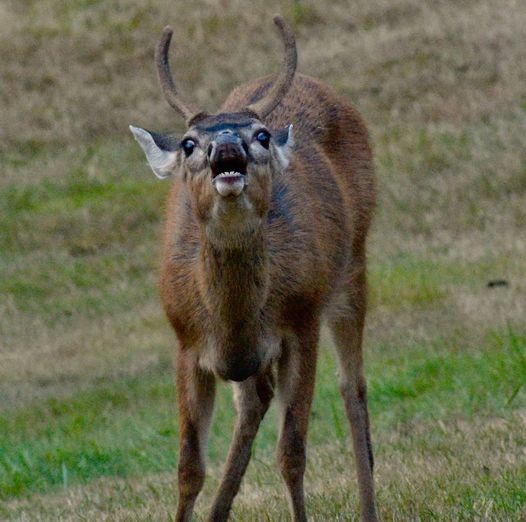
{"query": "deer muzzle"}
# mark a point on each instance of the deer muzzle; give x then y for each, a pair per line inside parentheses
(228, 161)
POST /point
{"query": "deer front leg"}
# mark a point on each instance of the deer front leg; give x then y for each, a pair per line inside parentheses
(195, 394)
(252, 398)
(296, 376)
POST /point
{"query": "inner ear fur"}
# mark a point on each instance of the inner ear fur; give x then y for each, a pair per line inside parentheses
(160, 150)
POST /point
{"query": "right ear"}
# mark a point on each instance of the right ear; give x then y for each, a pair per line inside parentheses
(160, 150)
(284, 143)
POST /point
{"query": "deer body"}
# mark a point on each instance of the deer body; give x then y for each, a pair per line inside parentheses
(265, 238)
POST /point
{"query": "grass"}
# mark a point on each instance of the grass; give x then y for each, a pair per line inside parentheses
(126, 428)
(135, 431)
(88, 427)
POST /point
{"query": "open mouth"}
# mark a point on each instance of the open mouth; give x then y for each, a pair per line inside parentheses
(229, 177)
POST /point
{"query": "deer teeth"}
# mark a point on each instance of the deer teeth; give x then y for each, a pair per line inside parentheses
(228, 174)
(229, 183)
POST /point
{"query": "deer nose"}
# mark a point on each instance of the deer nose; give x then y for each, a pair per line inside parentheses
(227, 154)
(226, 146)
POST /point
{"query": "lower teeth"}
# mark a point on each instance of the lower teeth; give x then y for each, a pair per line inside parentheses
(228, 174)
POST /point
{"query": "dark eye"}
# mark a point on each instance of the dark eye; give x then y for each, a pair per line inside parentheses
(188, 146)
(264, 138)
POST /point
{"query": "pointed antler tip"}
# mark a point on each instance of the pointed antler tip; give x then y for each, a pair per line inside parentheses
(284, 29)
(166, 35)
(164, 40)
(280, 22)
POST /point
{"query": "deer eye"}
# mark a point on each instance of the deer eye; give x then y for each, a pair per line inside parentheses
(188, 146)
(264, 138)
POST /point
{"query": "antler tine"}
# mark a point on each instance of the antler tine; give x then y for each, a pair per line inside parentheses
(165, 77)
(283, 82)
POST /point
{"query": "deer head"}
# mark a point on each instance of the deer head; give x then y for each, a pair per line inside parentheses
(227, 160)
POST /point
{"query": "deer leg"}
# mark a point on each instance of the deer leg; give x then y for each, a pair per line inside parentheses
(296, 376)
(195, 394)
(252, 399)
(347, 330)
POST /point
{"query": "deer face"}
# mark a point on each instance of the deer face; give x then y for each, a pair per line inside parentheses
(227, 162)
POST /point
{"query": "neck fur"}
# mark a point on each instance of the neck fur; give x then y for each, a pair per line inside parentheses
(234, 276)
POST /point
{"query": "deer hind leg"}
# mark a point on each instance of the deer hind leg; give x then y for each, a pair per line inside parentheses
(195, 393)
(296, 376)
(252, 399)
(347, 330)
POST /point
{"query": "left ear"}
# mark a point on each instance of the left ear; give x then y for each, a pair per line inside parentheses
(283, 143)
(160, 150)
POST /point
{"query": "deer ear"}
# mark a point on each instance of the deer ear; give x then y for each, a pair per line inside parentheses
(284, 142)
(160, 150)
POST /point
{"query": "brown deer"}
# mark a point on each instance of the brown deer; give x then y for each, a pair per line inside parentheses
(264, 237)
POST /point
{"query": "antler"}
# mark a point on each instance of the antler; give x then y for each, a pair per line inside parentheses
(283, 82)
(165, 77)
(262, 107)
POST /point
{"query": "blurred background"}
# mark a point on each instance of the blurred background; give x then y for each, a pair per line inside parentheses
(88, 427)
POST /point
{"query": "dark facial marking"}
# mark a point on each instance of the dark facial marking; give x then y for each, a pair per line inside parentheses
(226, 120)
(218, 127)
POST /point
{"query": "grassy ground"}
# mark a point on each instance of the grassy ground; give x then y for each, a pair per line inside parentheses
(88, 429)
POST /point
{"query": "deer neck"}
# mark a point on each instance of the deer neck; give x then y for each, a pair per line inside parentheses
(234, 281)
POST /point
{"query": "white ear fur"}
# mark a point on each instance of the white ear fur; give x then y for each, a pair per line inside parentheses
(161, 161)
(284, 151)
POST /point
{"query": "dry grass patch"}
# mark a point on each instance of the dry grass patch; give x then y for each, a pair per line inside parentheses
(444, 479)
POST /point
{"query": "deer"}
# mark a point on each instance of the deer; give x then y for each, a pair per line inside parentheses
(264, 241)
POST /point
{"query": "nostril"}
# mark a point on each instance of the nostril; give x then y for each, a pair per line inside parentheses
(210, 149)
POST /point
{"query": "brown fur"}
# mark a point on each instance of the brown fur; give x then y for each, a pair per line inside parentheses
(298, 258)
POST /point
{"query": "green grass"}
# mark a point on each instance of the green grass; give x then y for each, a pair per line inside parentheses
(407, 281)
(127, 427)
(119, 428)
